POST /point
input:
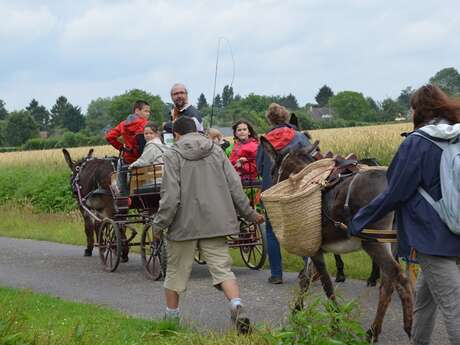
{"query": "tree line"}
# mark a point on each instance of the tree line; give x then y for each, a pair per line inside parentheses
(66, 125)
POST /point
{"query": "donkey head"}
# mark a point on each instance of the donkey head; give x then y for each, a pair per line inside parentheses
(285, 164)
(74, 165)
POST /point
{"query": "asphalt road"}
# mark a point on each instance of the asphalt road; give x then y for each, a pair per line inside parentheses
(61, 270)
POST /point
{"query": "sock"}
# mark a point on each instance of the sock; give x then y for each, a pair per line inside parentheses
(235, 302)
(172, 313)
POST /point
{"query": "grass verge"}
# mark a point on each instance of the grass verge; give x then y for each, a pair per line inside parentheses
(28, 318)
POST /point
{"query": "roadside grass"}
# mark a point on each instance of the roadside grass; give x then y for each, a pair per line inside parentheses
(24, 222)
(28, 318)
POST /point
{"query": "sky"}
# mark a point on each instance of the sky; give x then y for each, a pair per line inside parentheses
(88, 49)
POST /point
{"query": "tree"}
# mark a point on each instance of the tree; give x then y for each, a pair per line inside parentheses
(324, 93)
(237, 97)
(218, 102)
(448, 80)
(3, 111)
(350, 105)
(202, 103)
(404, 97)
(391, 109)
(65, 115)
(20, 127)
(122, 105)
(227, 95)
(40, 114)
(288, 101)
(98, 115)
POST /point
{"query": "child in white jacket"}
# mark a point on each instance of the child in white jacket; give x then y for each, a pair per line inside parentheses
(154, 148)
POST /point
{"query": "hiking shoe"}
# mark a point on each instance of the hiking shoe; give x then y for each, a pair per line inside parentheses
(275, 280)
(240, 320)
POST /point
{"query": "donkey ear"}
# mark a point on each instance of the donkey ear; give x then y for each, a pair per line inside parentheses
(307, 135)
(294, 120)
(269, 149)
(90, 153)
(67, 158)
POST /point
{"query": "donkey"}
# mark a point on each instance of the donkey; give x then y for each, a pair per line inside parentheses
(92, 176)
(366, 186)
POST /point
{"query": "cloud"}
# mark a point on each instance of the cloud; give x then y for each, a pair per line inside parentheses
(25, 22)
(96, 48)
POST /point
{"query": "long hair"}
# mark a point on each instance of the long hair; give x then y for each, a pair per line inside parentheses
(252, 132)
(430, 102)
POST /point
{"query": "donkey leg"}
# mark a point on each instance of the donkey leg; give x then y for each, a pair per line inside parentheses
(375, 275)
(89, 231)
(379, 255)
(304, 280)
(340, 276)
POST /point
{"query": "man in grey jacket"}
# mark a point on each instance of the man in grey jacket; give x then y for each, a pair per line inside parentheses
(199, 193)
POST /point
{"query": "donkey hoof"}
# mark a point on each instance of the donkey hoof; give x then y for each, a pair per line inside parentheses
(371, 336)
(340, 278)
(372, 283)
(88, 252)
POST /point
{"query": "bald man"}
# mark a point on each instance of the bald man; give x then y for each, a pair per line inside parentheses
(182, 107)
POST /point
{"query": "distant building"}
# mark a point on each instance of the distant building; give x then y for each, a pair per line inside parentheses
(321, 113)
(43, 134)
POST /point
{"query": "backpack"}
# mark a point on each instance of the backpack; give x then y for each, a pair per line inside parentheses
(448, 207)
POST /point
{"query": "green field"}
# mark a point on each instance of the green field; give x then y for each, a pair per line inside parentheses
(36, 201)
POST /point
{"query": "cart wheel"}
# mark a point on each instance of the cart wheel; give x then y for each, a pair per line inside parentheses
(153, 254)
(198, 258)
(253, 255)
(110, 244)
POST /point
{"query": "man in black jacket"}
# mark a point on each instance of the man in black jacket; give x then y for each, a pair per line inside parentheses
(182, 107)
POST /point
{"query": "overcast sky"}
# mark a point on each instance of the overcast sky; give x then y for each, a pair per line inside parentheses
(94, 48)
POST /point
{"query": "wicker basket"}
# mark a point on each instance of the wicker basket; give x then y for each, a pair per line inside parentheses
(294, 208)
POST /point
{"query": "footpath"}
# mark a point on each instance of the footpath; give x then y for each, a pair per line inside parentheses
(61, 270)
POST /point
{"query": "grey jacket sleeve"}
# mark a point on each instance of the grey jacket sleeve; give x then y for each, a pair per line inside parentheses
(240, 200)
(170, 192)
(151, 155)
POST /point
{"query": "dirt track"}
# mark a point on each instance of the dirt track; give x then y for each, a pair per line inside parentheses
(61, 270)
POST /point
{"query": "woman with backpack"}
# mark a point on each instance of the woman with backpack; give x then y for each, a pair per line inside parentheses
(422, 228)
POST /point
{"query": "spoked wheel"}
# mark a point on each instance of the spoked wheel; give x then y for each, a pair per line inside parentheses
(110, 244)
(153, 254)
(199, 258)
(255, 252)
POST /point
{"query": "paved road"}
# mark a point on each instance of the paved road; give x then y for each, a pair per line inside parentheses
(61, 270)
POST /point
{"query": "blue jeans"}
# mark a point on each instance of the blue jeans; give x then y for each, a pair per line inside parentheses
(274, 251)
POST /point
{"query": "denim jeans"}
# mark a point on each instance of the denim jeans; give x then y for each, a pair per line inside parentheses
(274, 251)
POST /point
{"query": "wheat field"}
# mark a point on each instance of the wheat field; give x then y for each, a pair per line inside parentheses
(380, 142)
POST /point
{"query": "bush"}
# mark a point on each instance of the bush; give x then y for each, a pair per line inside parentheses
(68, 139)
(9, 149)
(322, 323)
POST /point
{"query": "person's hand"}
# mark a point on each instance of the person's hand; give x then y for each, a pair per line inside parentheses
(260, 218)
(242, 159)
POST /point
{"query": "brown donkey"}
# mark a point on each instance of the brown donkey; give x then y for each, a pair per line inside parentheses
(366, 186)
(92, 176)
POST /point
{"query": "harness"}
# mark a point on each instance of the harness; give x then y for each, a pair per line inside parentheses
(344, 169)
(76, 187)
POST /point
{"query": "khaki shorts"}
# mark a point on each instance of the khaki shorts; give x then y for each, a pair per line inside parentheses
(181, 257)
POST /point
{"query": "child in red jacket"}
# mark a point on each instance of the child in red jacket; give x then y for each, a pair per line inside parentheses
(131, 131)
(243, 156)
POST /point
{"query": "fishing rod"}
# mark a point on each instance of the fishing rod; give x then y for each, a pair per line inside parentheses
(215, 72)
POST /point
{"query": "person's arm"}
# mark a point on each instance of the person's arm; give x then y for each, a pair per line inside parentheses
(113, 135)
(240, 199)
(170, 193)
(404, 176)
(145, 158)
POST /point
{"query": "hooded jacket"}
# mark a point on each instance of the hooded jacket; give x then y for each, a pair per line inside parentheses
(417, 163)
(130, 130)
(283, 138)
(200, 191)
(152, 154)
(248, 150)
